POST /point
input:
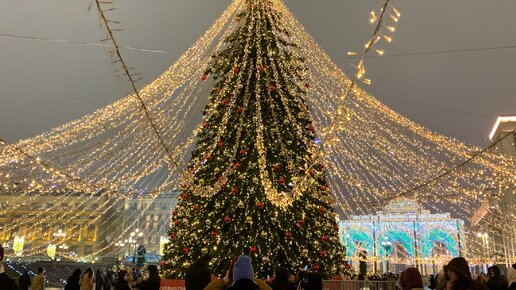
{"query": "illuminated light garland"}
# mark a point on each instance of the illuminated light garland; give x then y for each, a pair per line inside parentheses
(372, 151)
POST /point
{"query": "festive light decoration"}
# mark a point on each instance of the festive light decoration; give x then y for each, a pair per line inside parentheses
(404, 233)
(274, 141)
(372, 154)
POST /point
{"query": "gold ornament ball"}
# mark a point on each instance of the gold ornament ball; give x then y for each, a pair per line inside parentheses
(204, 250)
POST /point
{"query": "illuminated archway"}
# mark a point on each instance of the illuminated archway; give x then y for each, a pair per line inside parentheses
(429, 238)
(355, 239)
(398, 235)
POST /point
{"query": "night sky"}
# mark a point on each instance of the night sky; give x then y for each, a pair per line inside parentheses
(451, 66)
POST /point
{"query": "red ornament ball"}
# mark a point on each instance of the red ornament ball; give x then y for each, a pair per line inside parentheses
(203, 77)
(315, 267)
(227, 219)
(288, 234)
(322, 209)
(322, 253)
(162, 263)
(262, 68)
(301, 222)
(307, 85)
(177, 223)
(260, 204)
(252, 249)
(281, 180)
(234, 189)
(221, 144)
(276, 167)
(240, 110)
(195, 207)
(236, 69)
(225, 101)
(186, 250)
(324, 238)
(173, 236)
(213, 234)
(271, 88)
(242, 152)
(237, 165)
(174, 212)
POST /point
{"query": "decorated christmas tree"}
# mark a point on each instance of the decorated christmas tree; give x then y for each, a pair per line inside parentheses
(253, 185)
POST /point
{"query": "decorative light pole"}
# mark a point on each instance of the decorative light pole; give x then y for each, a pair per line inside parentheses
(387, 245)
(136, 234)
(119, 246)
(60, 235)
(485, 249)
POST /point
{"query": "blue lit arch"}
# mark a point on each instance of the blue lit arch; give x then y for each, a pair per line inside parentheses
(428, 239)
(358, 238)
(400, 236)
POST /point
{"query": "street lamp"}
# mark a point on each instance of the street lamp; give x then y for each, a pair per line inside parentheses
(62, 249)
(387, 245)
(136, 234)
(119, 246)
(59, 234)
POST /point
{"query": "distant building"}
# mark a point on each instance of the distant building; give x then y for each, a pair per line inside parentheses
(149, 216)
(87, 229)
(403, 234)
(505, 239)
(75, 233)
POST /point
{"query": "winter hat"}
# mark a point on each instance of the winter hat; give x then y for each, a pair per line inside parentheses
(243, 269)
(411, 278)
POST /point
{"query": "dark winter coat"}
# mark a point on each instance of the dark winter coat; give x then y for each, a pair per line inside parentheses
(7, 283)
(152, 283)
(122, 285)
(198, 276)
(433, 282)
(99, 282)
(472, 285)
(244, 284)
(24, 281)
(280, 284)
(73, 281)
(496, 282)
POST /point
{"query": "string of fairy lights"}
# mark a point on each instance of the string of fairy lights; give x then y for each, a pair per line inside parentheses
(371, 151)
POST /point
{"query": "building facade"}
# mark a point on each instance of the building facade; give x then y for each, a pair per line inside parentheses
(504, 252)
(96, 228)
(403, 234)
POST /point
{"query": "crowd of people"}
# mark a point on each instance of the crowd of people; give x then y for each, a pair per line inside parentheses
(240, 275)
(123, 279)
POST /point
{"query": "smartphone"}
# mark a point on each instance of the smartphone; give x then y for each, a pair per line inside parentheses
(306, 268)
